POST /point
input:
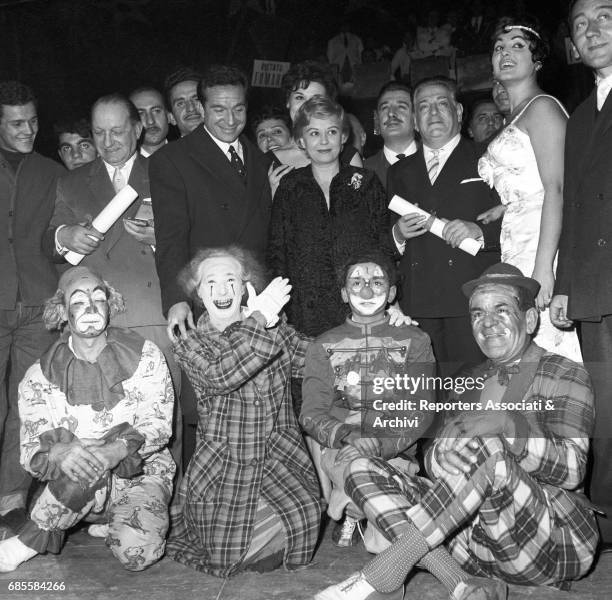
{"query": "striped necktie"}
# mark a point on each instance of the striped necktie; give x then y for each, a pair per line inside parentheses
(433, 164)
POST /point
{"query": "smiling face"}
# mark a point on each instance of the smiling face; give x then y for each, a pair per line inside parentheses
(185, 107)
(272, 134)
(220, 288)
(114, 133)
(395, 118)
(437, 114)
(367, 292)
(591, 30)
(501, 329)
(225, 111)
(18, 127)
(86, 306)
(512, 59)
(299, 96)
(322, 139)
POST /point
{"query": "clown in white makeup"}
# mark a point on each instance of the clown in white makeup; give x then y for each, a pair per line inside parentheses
(367, 291)
(87, 306)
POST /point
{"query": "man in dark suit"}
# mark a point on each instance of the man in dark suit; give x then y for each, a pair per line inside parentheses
(210, 188)
(27, 193)
(396, 126)
(583, 291)
(442, 178)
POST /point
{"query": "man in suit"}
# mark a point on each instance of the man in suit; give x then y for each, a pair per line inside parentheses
(151, 107)
(396, 126)
(583, 291)
(209, 188)
(27, 193)
(442, 178)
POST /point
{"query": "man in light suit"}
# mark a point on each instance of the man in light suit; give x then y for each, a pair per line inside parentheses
(583, 291)
(396, 126)
(442, 178)
(210, 188)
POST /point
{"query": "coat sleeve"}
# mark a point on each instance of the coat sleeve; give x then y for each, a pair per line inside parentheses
(276, 254)
(317, 399)
(382, 219)
(222, 364)
(172, 227)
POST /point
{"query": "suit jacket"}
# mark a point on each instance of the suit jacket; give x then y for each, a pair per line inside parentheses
(199, 201)
(128, 265)
(433, 272)
(379, 164)
(585, 249)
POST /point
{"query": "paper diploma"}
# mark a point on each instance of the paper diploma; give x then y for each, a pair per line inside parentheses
(403, 207)
(107, 217)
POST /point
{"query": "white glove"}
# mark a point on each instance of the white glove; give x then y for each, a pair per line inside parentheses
(271, 301)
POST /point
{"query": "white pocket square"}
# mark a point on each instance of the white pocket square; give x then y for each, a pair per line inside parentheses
(472, 179)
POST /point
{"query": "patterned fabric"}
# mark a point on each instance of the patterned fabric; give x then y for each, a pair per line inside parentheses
(519, 514)
(249, 446)
(137, 538)
(308, 242)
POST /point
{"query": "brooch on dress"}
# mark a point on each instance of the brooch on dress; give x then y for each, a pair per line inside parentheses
(355, 181)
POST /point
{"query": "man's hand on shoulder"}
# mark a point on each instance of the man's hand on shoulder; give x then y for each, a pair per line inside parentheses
(79, 238)
(179, 316)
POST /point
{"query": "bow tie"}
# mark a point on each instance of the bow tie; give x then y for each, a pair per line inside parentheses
(503, 371)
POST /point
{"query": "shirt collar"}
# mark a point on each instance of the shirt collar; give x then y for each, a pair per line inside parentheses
(604, 85)
(126, 169)
(446, 149)
(391, 156)
(224, 146)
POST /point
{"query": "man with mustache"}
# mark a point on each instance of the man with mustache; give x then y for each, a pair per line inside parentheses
(151, 108)
(181, 89)
(27, 193)
(396, 126)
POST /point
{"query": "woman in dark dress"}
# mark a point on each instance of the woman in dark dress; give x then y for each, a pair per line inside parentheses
(322, 213)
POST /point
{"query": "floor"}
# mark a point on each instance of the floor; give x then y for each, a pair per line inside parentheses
(89, 572)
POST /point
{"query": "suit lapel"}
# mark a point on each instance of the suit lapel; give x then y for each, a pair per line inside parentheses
(601, 123)
(256, 179)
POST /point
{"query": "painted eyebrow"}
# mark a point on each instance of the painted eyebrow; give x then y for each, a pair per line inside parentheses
(97, 288)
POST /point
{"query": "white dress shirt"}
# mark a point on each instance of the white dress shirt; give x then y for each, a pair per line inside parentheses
(224, 146)
(604, 85)
(391, 156)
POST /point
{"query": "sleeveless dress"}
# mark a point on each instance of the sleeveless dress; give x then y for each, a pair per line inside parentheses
(509, 165)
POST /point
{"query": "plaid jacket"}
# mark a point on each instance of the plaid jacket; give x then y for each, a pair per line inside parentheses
(249, 446)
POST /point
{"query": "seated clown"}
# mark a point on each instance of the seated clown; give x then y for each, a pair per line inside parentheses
(249, 498)
(505, 501)
(96, 416)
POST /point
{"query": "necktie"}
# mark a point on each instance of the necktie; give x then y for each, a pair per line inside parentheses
(118, 180)
(400, 156)
(432, 165)
(503, 371)
(237, 162)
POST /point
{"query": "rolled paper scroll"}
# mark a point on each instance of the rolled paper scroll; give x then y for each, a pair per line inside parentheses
(107, 217)
(403, 207)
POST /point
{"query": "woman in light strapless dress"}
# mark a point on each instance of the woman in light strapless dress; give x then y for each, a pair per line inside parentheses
(525, 164)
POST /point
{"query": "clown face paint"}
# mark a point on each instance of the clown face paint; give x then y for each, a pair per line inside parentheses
(367, 292)
(86, 306)
(220, 289)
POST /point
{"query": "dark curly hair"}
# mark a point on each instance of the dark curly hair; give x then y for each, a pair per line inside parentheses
(252, 269)
(221, 75)
(538, 44)
(14, 93)
(301, 74)
(377, 257)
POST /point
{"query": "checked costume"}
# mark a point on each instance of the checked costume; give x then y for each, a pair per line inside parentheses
(250, 471)
(520, 514)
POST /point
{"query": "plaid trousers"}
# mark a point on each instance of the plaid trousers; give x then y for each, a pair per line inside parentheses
(498, 520)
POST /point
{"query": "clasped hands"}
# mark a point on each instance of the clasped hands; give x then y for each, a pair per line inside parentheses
(457, 445)
(86, 460)
(414, 225)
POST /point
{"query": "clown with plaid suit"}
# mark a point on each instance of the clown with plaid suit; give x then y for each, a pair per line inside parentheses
(504, 503)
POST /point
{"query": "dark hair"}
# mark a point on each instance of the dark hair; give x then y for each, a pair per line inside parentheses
(384, 261)
(117, 98)
(14, 93)
(319, 107)
(447, 82)
(148, 88)
(394, 86)
(79, 126)
(221, 75)
(270, 112)
(479, 102)
(252, 269)
(178, 76)
(538, 44)
(301, 74)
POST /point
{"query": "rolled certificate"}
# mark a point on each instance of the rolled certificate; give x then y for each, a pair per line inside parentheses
(107, 217)
(403, 207)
